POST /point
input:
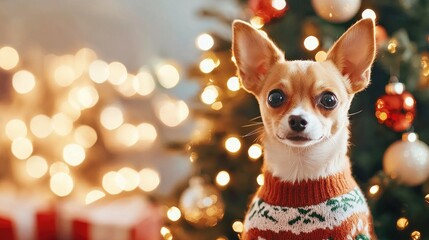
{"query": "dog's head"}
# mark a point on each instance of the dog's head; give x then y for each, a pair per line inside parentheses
(304, 102)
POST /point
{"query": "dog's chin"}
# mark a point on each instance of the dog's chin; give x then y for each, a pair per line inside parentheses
(298, 140)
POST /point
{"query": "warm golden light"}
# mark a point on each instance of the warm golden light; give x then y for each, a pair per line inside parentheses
(172, 113)
(147, 133)
(131, 178)
(217, 106)
(117, 73)
(207, 65)
(411, 137)
(58, 167)
(23, 81)
(278, 4)
(233, 84)
(73, 154)
(36, 166)
(238, 227)
(311, 43)
(222, 178)
(374, 189)
(71, 110)
(392, 46)
(127, 134)
(149, 179)
(62, 124)
(320, 56)
(257, 22)
(9, 58)
(16, 128)
(260, 179)
(402, 223)
(110, 184)
(233, 144)
(111, 117)
(369, 13)
(409, 101)
(144, 84)
(205, 41)
(427, 198)
(61, 184)
(94, 196)
(209, 95)
(22, 148)
(82, 60)
(166, 233)
(64, 75)
(99, 71)
(41, 126)
(87, 97)
(416, 235)
(255, 151)
(174, 214)
(168, 75)
(85, 136)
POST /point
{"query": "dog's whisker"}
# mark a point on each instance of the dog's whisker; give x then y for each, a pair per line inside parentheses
(256, 131)
(255, 118)
(355, 113)
(253, 124)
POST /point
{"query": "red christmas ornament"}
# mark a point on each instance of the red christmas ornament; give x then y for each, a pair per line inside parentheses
(268, 9)
(397, 108)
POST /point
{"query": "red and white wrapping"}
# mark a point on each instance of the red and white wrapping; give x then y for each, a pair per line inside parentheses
(26, 218)
(131, 218)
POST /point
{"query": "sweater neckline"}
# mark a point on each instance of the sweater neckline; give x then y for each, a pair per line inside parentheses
(304, 193)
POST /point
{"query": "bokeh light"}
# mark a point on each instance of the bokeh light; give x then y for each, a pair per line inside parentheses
(111, 117)
(233, 144)
(93, 196)
(257, 22)
(311, 43)
(260, 179)
(207, 65)
(222, 178)
(147, 133)
(278, 4)
(64, 75)
(87, 97)
(9, 58)
(62, 124)
(58, 167)
(85, 136)
(210, 94)
(16, 128)
(41, 126)
(174, 214)
(99, 71)
(117, 73)
(73, 154)
(168, 75)
(205, 41)
(110, 184)
(320, 56)
(149, 179)
(233, 84)
(172, 113)
(131, 178)
(238, 226)
(36, 166)
(22, 148)
(369, 13)
(61, 184)
(127, 134)
(144, 84)
(255, 151)
(23, 81)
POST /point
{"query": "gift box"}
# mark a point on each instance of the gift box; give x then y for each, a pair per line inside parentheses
(24, 217)
(131, 218)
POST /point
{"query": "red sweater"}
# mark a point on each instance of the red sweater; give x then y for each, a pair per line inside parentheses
(331, 208)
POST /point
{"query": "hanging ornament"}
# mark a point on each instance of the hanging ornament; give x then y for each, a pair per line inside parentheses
(201, 204)
(407, 160)
(268, 9)
(336, 10)
(397, 108)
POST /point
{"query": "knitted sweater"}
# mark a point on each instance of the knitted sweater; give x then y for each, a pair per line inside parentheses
(332, 208)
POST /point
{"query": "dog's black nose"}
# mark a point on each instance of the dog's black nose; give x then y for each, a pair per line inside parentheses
(297, 123)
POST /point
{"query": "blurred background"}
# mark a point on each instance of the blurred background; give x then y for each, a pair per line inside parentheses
(126, 120)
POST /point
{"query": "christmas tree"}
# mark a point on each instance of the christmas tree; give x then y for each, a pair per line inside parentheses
(393, 175)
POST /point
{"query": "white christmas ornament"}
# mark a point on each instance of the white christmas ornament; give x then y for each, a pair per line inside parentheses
(336, 10)
(407, 160)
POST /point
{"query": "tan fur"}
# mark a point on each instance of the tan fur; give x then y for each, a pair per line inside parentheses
(262, 68)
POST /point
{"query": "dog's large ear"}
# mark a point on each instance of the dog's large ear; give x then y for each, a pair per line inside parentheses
(254, 55)
(354, 53)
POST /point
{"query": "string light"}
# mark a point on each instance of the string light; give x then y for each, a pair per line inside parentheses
(260, 179)
(73, 154)
(41, 126)
(168, 75)
(127, 134)
(61, 184)
(22, 148)
(209, 94)
(233, 84)
(172, 113)
(369, 13)
(402, 223)
(99, 71)
(117, 73)
(23, 82)
(311, 43)
(131, 178)
(15, 128)
(238, 226)
(320, 56)
(255, 151)
(9, 58)
(94, 196)
(85, 136)
(174, 214)
(166, 233)
(233, 144)
(257, 22)
(374, 189)
(217, 106)
(109, 183)
(36, 166)
(392, 46)
(111, 117)
(222, 178)
(62, 124)
(205, 41)
(415, 235)
(149, 179)
(278, 4)
(207, 65)
(144, 84)
(58, 167)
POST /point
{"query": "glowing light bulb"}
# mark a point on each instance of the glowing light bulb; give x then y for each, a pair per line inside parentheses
(64, 75)
(117, 73)
(369, 13)
(311, 43)
(238, 227)
(168, 75)
(415, 235)
(130, 177)
(222, 178)
(109, 183)
(85, 136)
(127, 134)
(166, 233)
(172, 113)
(61, 184)
(149, 179)
(233, 84)
(255, 151)
(41, 126)
(36, 166)
(320, 56)
(260, 179)
(144, 84)
(205, 41)
(111, 117)
(9, 58)
(99, 71)
(233, 144)
(374, 189)
(22, 148)
(147, 133)
(74, 154)
(23, 82)
(257, 22)
(209, 95)
(174, 214)
(278, 4)
(402, 223)
(16, 128)
(94, 196)
(207, 65)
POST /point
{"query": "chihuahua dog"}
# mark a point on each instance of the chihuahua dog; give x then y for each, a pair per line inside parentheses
(309, 192)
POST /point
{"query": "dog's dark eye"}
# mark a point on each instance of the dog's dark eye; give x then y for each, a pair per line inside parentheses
(328, 100)
(276, 98)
